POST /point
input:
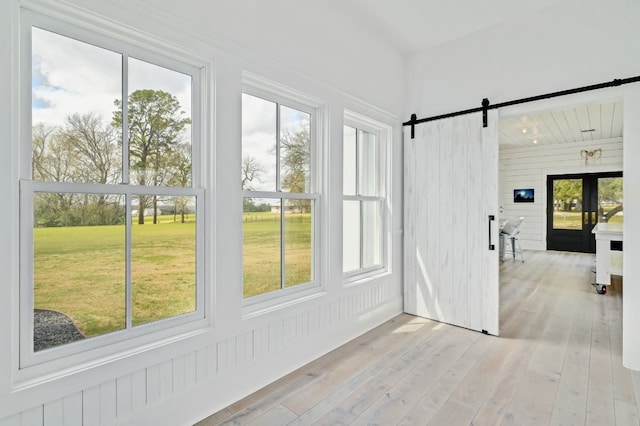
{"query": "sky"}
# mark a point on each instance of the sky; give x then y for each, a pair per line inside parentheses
(259, 117)
(69, 76)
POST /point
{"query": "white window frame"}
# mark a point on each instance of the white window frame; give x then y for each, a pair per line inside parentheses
(382, 133)
(34, 365)
(284, 96)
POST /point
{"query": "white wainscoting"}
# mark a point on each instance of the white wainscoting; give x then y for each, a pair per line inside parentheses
(528, 167)
(177, 390)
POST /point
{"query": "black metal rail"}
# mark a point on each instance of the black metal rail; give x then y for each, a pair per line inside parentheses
(486, 106)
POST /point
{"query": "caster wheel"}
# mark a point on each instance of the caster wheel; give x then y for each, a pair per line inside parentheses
(600, 288)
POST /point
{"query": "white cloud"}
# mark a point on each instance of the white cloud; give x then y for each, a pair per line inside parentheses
(70, 76)
(259, 138)
(259, 134)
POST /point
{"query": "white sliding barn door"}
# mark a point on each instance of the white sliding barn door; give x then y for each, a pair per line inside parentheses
(450, 191)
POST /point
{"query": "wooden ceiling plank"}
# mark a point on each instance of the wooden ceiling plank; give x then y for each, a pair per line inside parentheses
(547, 122)
(572, 120)
(606, 119)
(617, 120)
(595, 120)
(583, 120)
(562, 125)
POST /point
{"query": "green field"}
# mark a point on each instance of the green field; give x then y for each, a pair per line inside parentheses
(573, 220)
(261, 251)
(80, 270)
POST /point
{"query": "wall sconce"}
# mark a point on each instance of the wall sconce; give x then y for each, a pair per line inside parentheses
(592, 155)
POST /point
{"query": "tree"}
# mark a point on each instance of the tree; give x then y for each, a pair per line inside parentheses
(41, 140)
(96, 157)
(180, 164)
(51, 161)
(565, 191)
(251, 170)
(295, 152)
(156, 122)
(609, 193)
(94, 148)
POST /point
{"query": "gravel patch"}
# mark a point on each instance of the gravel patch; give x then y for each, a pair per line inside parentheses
(51, 329)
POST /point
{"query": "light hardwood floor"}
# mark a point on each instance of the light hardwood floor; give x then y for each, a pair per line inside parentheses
(557, 361)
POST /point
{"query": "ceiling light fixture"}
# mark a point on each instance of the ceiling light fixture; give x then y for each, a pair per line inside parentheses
(593, 155)
(524, 130)
(535, 141)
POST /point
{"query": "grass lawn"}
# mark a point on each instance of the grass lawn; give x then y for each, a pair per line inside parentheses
(80, 271)
(573, 220)
(261, 251)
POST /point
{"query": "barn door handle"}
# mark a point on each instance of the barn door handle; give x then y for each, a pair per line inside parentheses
(491, 219)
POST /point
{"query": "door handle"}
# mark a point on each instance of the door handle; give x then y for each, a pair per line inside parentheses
(585, 218)
(594, 218)
(491, 219)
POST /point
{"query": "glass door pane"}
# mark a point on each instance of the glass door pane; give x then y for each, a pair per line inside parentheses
(610, 200)
(567, 204)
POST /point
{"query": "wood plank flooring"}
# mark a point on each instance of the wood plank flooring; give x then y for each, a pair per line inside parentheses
(558, 361)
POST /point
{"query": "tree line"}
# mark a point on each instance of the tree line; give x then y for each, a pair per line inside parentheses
(567, 195)
(87, 149)
(295, 173)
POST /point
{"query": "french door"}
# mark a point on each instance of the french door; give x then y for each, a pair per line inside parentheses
(576, 203)
(450, 232)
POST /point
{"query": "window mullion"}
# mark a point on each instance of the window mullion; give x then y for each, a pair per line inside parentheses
(361, 203)
(282, 245)
(278, 186)
(128, 262)
(125, 119)
(357, 162)
(128, 197)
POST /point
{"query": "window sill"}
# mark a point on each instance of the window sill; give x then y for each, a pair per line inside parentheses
(257, 306)
(362, 276)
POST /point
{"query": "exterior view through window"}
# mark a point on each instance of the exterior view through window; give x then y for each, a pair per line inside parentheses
(362, 201)
(111, 191)
(278, 205)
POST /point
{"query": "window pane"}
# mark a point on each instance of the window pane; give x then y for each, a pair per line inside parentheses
(371, 234)
(78, 267)
(367, 163)
(349, 161)
(163, 260)
(567, 209)
(159, 114)
(261, 246)
(350, 236)
(610, 200)
(295, 151)
(298, 242)
(259, 118)
(73, 88)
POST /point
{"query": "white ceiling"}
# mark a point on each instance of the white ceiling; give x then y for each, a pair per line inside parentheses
(580, 123)
(416, 25)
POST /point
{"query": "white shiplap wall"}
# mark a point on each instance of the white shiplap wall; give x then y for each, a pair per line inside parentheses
(201, 375)
(528, 167)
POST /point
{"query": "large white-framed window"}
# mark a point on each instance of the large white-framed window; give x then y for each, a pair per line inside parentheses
(365, 182)
(111, 194)
(280, 157)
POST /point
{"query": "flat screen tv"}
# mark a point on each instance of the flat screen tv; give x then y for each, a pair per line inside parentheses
(523, 195)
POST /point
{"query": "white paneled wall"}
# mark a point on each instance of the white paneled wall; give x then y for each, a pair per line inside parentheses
(120, 400)
(528, 167)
